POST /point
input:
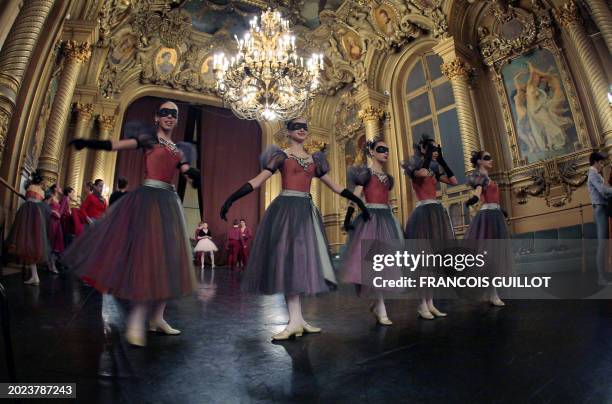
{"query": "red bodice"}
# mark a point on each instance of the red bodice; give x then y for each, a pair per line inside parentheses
(160, 163)
(294, 177)
(425, 187)
(376, 191)
(34, 195)
(490, 193)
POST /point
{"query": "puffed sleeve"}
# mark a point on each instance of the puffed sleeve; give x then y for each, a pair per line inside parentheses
(272, 158)
(144, 134)
(321, 164)
(189, 154)
(412, 165)
(477, 179)
(359, 175)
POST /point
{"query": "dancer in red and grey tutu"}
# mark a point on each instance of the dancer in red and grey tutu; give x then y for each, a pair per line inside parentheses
(489, 222)
(28, 240)
(139, 250)
(245, 238)
(429, 220)
(289, 252)
(375, 184)
(71, 220)
(55, 231)
(205, 244)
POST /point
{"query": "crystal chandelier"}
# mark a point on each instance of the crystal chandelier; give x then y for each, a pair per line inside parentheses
(266, 80)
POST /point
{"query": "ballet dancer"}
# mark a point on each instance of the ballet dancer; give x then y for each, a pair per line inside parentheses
(205, 244)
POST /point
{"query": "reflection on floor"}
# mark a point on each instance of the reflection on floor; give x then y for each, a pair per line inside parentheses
(529, 351)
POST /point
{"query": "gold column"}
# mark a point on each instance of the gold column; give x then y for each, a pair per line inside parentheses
(600, 11)
(76, 54)
(106, 123)
(570, 20)
(76, 163)
(458, 72)
(372, 118)
(15, 54)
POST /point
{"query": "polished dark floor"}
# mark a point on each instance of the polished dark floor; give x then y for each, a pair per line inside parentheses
(530, 351)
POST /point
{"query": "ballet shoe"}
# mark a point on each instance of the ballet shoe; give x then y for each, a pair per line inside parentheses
(382, 320)
(54, 271)
(497, 302)
(33, 282)
(286, 334)
(135, 338)
(310, 329)
(163, 328)
(437, 312)
(426, 315)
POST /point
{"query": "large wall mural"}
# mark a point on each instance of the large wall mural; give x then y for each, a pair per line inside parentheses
(540, 108)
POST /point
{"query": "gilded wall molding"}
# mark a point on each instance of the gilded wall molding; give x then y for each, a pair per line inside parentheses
(78, 51)
(554, 180)
(457, 68)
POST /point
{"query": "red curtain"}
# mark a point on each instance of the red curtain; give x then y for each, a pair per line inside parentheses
(229, 157)
(130, 162)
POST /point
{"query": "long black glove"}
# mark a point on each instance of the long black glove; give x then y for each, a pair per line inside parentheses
(443, 164)
(80, 144)
(195, 176)
(504, 212)
(352, 197)
(244, 190)
(472, 201)
(347, 219)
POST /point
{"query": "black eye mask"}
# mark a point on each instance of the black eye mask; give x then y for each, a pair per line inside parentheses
(487, 157)
(382, 149)
(297, 126)
(163, 112)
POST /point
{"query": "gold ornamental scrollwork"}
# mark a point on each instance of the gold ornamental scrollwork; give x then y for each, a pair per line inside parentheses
(555, 181)
(79, 51)
(106, 122)
(84, 111)
(568, 14)
(456, 68)
(371, 113)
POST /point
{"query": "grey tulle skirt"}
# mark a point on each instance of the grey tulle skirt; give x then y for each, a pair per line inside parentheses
(429, 221)
(491, 224)
(381, 226)
(139, 250)
(289, 253)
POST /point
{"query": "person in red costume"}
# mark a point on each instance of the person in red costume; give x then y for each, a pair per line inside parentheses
(233, 244)
(94, 205)
(72, 223)
(490, 221)
(140, 251)
(375, 185)
(290, 253)
(429, 220)
(28, 241)
(245, 238)
(55, 231)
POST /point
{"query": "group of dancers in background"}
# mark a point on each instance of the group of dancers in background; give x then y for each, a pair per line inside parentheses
(289, 253)
(48, 221)
(237, 245)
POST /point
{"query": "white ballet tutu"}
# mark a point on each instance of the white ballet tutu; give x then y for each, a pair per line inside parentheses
(205, 245)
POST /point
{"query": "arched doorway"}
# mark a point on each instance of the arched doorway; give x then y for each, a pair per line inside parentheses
(228, 150)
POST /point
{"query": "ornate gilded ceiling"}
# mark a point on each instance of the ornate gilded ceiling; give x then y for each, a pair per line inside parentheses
(171, 43)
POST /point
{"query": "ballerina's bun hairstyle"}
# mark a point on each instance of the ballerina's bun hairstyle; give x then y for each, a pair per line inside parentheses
(476, 155)
(36, 177)
(425, 140)
(370, 144)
